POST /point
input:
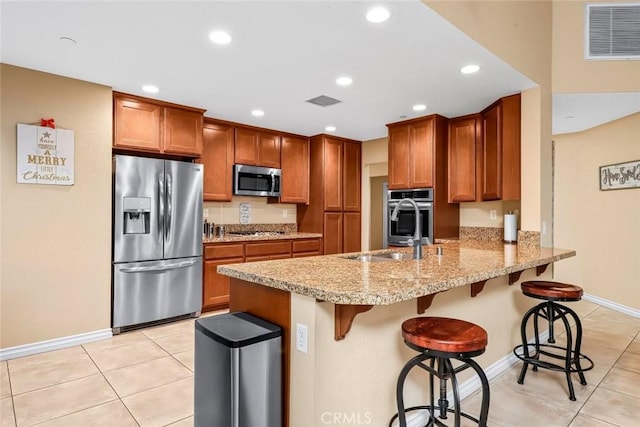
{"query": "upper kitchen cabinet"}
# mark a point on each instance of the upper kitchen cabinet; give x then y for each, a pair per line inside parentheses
(294, 162)
(500, 154)
(217, 157)
(257, 147)
(465, 135)
(413, 151)
(143, 124)
(334, 193)
(484, 154)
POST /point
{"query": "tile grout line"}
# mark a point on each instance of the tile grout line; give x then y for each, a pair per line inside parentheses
(111, 386)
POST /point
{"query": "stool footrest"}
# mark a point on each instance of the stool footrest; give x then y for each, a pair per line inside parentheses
(534, 358)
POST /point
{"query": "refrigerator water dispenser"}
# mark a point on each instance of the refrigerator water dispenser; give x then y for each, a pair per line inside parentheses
(137, 215)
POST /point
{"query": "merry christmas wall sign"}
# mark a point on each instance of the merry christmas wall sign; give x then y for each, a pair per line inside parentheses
(45, 155)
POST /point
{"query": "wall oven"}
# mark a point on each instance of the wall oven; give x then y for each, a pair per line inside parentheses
(400, 231)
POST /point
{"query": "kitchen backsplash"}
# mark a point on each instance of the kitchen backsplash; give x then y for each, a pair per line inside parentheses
(479, 214)
(259, 211)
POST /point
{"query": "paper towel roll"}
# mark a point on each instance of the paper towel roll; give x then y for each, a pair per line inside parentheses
(510, 228)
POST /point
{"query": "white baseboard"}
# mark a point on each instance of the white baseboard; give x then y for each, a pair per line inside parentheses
(612, 305)
(54, 344)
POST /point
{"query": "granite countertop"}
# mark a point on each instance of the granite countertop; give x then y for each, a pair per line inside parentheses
(261, 236)
(337, 279)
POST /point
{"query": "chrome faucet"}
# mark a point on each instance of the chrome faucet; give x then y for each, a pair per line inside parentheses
(416, 242)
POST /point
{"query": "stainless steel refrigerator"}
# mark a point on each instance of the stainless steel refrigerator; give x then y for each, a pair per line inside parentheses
(157, 240)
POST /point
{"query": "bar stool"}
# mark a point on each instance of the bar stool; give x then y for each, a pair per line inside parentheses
(440, 340)
(549, 310)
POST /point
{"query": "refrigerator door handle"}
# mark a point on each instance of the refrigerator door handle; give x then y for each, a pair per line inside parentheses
(161, 205)
(164, 267)
(167, 228)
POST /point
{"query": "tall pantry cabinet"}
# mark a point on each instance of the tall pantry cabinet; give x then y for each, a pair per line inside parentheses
(334, 194)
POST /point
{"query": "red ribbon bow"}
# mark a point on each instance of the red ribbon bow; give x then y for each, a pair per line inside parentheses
(49, 123)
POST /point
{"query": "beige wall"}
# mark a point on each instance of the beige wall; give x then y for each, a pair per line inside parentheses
(56, 240)
(602, 226)
(571, 72)
(374, 164)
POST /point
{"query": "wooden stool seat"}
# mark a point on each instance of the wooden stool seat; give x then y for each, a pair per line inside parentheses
(442, 343)
(444, 334)
(551, 290)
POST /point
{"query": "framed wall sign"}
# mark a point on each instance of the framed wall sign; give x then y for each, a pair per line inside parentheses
(45, 155)
(620, 176)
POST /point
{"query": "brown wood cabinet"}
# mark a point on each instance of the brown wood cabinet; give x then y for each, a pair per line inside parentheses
(500, 157)
(294, 161)
(148, 125)
(257, 147)
(418, 159)
(215, 287)
(412, 151)
(465, 141)
(334, 191)
(215, 290)
(306, 247)
(217, 157)
(488, 144)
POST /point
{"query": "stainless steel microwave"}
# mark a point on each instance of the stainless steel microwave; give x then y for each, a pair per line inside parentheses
(256, 181)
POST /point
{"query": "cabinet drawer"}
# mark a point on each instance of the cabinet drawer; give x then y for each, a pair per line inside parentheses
(224, 251)
(311, 245)
(268, 248)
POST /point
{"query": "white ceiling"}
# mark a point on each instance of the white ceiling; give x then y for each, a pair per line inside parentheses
(283, 54)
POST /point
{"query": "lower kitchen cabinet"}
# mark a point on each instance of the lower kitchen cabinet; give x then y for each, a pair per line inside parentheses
(306, 247)
(215, 287)
(341, 232)
(351, 232)
(265, 251)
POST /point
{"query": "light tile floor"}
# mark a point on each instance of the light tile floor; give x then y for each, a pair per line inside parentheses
(145, 378)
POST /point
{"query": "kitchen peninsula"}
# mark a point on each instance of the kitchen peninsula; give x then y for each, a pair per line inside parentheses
(351, 365)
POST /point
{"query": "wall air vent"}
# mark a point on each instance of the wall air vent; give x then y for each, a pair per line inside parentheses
(323, 101)
(612, 31)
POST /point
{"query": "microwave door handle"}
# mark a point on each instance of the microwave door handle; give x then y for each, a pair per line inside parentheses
(273, 181)
(167, 228)
(161, 205)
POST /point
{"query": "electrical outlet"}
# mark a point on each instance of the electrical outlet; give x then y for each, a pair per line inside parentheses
(284, 213)
(301, 338)
(544, 227)
(205, 213)
(493, 214)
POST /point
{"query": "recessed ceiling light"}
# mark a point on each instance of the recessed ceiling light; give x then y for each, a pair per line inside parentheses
(330, 128)
(469, 69)
(150, 89)
(257, 113)
(220, 37)
(419, 107)
(378, 14)
(344, 81)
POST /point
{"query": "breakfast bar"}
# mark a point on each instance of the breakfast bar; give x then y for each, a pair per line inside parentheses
(345, 365)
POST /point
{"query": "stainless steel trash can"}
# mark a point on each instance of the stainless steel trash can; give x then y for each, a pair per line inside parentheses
(238, 372)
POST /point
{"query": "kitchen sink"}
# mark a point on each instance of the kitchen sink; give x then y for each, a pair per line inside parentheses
(379, 257)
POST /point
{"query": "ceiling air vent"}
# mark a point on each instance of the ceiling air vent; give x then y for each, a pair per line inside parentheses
(323, 101)
(612, 31)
